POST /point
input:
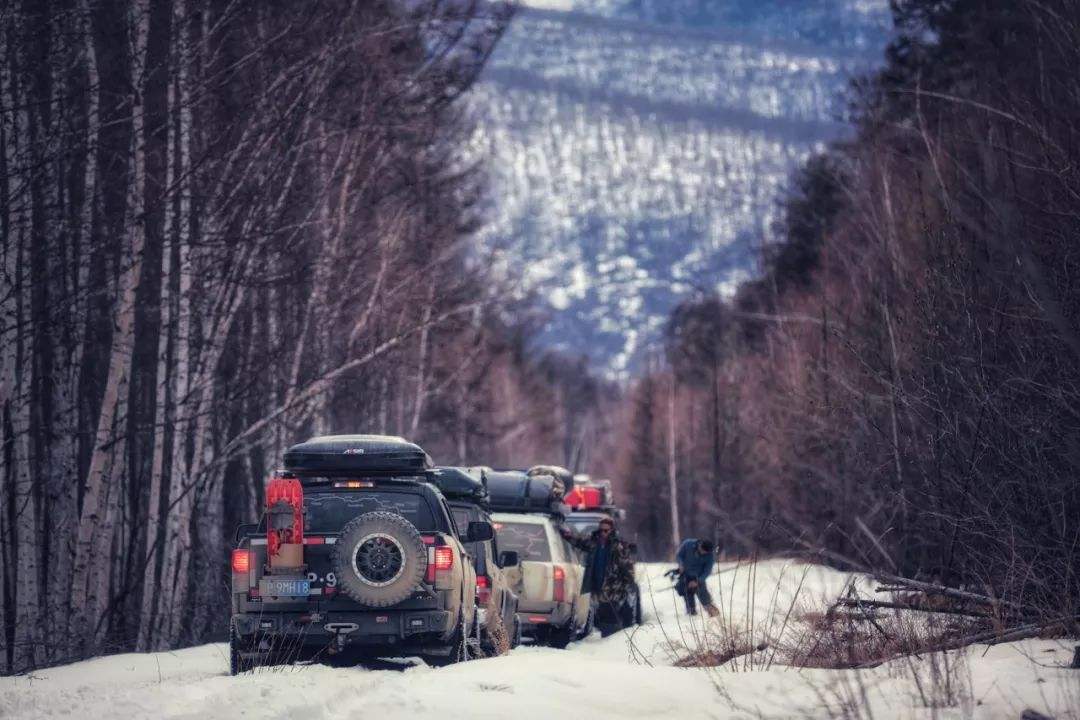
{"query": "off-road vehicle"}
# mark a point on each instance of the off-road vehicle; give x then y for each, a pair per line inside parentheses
(551, 606)
(552, 609)
(497, 603)
(356, 556)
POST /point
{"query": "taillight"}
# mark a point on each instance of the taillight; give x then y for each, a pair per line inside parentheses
(559, 576)
(440, 559)
(444, 558)
(241, 561)
(483, 589)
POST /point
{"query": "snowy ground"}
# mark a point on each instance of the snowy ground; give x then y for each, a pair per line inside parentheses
(624, 676)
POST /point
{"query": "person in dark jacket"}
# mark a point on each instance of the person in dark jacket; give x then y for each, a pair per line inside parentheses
(695, 558)
(609, 572)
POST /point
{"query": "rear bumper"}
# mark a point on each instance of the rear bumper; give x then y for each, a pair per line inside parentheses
(538, 615)
(392, 628)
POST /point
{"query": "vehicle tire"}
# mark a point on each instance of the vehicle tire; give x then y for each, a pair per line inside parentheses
(235, 662)
(459, 647)
(559, 638)
(379, 559)
(515, 639)
(587, 630)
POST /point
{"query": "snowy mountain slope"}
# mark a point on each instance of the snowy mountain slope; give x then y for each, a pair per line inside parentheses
(628, 675)
(638, 149)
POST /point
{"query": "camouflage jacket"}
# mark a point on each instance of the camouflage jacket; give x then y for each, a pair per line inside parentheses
(619, 575)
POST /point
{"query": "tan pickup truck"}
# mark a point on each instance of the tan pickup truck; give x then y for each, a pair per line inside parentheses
(551, 607)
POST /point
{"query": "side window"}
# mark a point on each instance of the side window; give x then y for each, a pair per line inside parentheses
(558, 546)
(450, 518)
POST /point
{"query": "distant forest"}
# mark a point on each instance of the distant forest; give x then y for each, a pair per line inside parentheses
(899, 387)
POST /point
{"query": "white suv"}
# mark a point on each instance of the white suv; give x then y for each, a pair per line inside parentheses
(551, 607)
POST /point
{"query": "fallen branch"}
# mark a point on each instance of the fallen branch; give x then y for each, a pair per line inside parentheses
(920, 607)
(991, 637)
(895, 581)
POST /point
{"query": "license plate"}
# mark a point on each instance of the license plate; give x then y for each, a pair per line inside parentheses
(284, 588)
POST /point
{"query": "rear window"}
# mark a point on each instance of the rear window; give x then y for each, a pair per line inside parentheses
(583, 526)
(329, 512)
(529, 541)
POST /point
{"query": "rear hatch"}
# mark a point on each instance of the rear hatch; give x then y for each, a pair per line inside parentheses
(535, 582)
(327, 510)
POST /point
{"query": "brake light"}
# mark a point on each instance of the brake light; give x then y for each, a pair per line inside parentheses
(440, 558)
(559, 576)
(483, 589)
(241, 561)
(444, 558)
(354, 484)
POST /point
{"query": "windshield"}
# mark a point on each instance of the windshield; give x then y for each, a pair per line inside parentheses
(528, 540)
(329, 512)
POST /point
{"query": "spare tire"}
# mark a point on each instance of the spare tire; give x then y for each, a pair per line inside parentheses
(379, 559)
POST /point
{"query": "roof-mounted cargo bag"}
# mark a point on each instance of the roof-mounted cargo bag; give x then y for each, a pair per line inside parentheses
(564, 476)
(357, 455)
(459, 484)
(515, 491)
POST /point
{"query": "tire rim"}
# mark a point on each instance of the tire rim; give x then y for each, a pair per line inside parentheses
(378, 560)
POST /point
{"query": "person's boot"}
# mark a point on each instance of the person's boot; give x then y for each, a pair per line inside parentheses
(712, 610)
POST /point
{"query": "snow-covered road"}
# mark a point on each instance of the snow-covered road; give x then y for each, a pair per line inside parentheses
(625, 676)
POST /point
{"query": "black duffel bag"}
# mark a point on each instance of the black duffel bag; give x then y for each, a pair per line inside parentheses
(515, 491)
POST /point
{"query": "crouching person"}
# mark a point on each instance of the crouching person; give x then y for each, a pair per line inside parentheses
(695, 558)
(609, 573)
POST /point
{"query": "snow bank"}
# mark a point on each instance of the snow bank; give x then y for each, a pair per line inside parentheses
(624, 676)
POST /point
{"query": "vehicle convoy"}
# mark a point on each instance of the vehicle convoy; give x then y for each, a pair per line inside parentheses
(357, 556)
(497, 603)
(552, 609)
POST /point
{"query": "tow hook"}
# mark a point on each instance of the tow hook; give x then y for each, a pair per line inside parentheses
(340, 630)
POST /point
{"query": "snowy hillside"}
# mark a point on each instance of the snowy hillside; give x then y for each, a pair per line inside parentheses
(639, 147)
(628, 675)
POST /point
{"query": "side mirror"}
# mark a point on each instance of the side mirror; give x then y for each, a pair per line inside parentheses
(479, 531)
(509, 558)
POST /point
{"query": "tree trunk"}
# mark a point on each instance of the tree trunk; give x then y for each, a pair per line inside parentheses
(94, 539)
(673, 485)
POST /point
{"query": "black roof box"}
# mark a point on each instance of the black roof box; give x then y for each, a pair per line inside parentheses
(357, 454)
(459, 484)
(515, 491)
